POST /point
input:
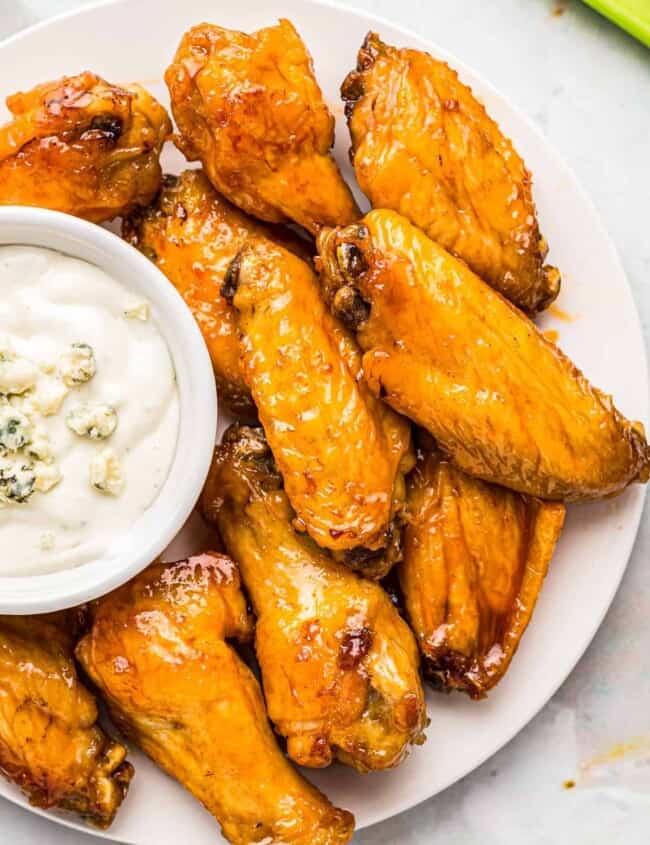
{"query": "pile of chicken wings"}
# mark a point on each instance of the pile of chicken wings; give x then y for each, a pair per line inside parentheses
(397, 411)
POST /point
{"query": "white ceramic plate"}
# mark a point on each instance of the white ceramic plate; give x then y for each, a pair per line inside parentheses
(134, 40)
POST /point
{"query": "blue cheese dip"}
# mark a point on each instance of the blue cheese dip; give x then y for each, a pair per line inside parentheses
(89, 411)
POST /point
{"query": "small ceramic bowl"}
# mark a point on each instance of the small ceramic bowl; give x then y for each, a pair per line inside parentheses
(164, 518)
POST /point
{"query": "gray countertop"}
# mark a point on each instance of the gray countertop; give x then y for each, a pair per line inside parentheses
(587, 86)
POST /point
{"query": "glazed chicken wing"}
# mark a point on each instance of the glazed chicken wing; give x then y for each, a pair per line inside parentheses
(158, 651)
(424, 146)
(192, 234)
(250, 109)
(83, 146)
(339, 665)
(475, 557)
(446, 350)
(50, 743)
(342, 452)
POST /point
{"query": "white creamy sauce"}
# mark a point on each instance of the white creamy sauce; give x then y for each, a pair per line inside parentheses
(49, 303)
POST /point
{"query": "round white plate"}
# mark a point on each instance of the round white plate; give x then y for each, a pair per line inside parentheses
(134, 40)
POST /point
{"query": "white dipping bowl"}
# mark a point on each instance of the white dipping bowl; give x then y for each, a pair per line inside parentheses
(153, 530)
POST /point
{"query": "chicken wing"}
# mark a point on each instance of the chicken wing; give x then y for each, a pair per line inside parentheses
(342, 452)
(339, 665)
(475, 558)
(192, 234)
(158, 652)
(446, 350)
(250, 109)
(424, 146)
(50, 744)
(83, 146)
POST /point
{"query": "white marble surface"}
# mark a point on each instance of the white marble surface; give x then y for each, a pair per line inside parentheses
(587, 85)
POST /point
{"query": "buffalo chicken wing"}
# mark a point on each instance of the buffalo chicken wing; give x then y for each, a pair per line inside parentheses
(342, 452)
(446, 350)
(83, 146)
(424, 146)
(158, 651)
(339, 665)
(50, 743)
(249, 108)
(475, 557)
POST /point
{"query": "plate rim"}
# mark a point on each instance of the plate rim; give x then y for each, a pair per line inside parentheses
(377, 20)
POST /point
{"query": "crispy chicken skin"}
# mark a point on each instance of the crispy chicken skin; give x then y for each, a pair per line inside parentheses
(83, 146)
(424, 146)
(341, 452)
(192, 234)
(50, 743)
(158, 651)
(475, 558)
(447, 351)
(339, 666)
(250, 109)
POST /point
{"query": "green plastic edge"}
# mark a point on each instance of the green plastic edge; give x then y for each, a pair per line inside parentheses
(635, 20)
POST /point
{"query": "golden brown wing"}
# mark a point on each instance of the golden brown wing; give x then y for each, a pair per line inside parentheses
(192, 234)
(446, 350)
(83, 146)
(424, 146)
(342, 452)
(250, 109)
(158, 651)
(475, 558)
(50, 743)
(340, 667)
